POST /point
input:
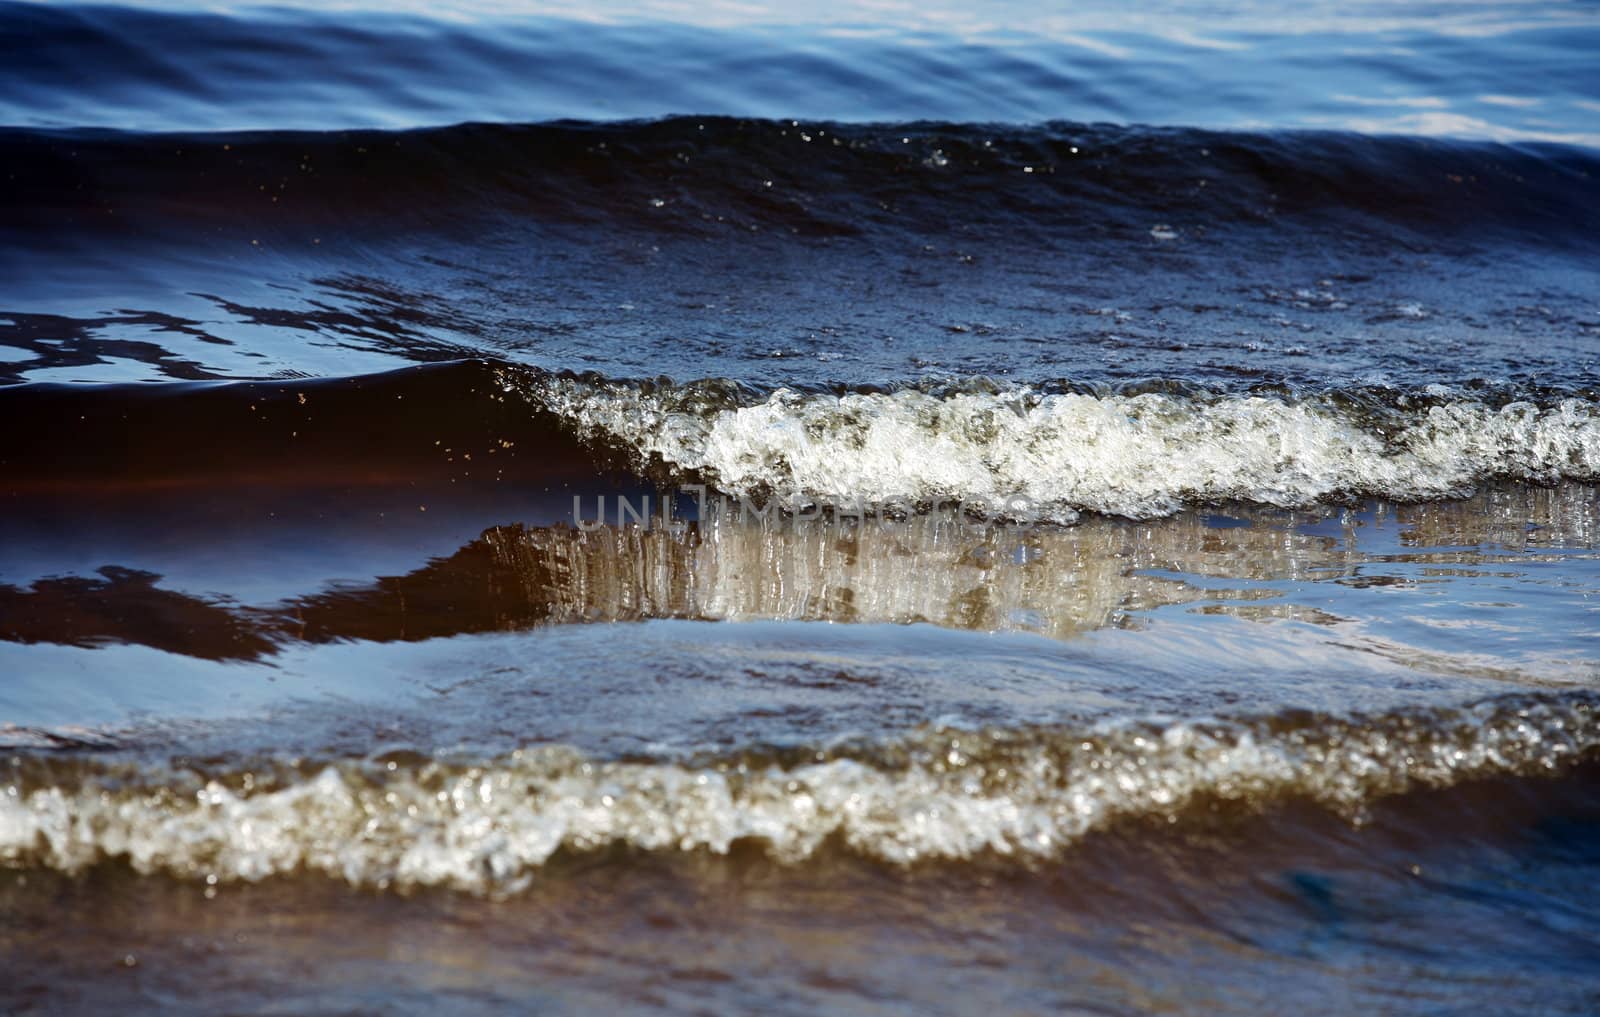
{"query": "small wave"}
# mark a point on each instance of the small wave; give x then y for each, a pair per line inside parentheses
(404, 821)
(1024, 453)
(996, 186)
(1016, 452)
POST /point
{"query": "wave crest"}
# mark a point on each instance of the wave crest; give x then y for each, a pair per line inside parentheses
(1020, 451)
(405, 821)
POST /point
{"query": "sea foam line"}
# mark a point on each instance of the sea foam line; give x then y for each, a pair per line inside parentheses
(1140, 456)
(939, 794)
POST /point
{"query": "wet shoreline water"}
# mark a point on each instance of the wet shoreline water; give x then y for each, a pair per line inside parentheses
(1142, 917)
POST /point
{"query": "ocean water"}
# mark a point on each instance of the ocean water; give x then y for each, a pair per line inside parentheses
(868, 508)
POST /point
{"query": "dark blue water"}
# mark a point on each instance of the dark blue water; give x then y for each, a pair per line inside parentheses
(1406, 193)
(854, 507)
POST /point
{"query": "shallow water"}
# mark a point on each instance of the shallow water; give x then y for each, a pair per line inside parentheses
(1146, 918)
(849, 508)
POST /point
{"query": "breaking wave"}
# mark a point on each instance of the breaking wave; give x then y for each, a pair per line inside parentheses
(404, 821)
(1022, 452)
(1042, 453)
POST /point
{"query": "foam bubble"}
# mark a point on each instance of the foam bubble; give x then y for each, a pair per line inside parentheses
(1139, 456)
(937, 794)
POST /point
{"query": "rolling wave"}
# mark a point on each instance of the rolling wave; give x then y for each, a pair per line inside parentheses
(799, 253)
(715, 175)
(403, 821)
(1024, 454)
(1014, 452)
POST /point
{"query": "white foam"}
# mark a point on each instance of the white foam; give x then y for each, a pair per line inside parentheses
(938, 795)
(1138, 456)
